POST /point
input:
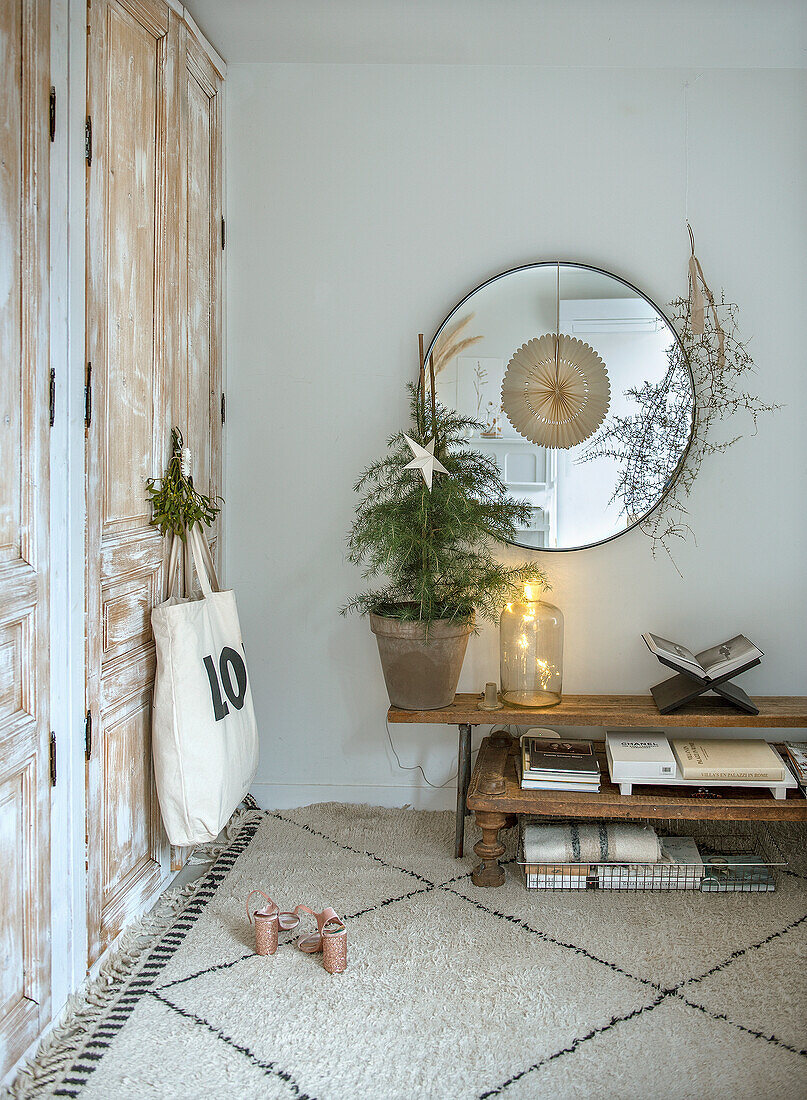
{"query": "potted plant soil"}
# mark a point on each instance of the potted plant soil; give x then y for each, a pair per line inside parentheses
(431, 515)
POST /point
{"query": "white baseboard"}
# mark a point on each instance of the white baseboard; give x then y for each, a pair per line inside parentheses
(287, 796)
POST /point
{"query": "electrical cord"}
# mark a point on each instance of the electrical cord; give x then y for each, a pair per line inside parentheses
(418, 768)
(415, 767)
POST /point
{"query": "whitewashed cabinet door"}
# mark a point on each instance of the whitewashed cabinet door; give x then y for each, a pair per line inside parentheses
(201, 404)
(198, 397)
(133, 340)
(24, 384)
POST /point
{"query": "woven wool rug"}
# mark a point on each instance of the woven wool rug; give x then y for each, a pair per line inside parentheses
(451, 991)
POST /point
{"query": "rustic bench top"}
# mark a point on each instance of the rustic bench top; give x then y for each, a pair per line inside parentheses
(775, 712)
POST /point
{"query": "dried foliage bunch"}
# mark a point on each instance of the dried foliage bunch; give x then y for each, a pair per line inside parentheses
(658, 461)
(436, 549)
(452, 342)
(649, 444)
(175, 505)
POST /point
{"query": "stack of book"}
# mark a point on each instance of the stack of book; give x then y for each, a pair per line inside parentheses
(637, 754)
(797, 756)
(647, 756)
(728, 761)
(684, 865)
(680, 868)
(558, 765)
(739, 872)
(560, 876)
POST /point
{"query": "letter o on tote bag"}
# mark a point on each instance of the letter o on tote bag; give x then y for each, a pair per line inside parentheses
(204, 738)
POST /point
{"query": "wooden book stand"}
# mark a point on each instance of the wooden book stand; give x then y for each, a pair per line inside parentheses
(681, 689)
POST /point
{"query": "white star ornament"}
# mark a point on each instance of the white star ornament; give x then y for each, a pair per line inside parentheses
(425, 461)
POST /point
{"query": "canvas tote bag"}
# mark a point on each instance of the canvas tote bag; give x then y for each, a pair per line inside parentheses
(204, 738)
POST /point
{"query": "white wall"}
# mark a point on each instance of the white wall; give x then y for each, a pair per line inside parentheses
(363, 202)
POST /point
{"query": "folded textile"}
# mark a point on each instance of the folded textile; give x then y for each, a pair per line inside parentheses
(606, 842)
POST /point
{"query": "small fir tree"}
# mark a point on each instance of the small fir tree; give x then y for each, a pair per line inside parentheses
(437, 548)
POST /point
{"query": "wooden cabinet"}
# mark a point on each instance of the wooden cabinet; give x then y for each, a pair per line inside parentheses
(153, 360)
(24, 384)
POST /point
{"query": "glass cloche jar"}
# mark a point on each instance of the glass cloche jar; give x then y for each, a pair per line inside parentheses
(531, 641)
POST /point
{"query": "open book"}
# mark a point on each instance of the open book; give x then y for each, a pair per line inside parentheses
(721, 660)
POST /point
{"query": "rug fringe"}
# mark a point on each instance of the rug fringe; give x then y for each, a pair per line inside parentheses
(87, 1006)
(209, 853)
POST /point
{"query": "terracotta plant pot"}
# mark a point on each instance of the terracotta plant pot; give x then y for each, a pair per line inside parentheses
(421, 673)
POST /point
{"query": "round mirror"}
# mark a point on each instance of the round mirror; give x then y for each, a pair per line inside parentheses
(582, 392)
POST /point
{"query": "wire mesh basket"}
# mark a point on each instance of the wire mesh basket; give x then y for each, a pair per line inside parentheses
(712, 857)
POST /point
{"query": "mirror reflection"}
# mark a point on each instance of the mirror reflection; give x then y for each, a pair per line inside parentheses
(633, 443)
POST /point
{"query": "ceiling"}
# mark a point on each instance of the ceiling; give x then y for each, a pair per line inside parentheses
(709, 34)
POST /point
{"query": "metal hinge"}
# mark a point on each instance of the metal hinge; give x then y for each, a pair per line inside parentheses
(52, 759)
(223, 235)
(88, 397)
(88, 140)
(52, 114)
(223, 408)
(52, 398)
(88, 735)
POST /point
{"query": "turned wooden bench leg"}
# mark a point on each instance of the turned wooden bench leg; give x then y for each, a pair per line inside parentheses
(489, 872)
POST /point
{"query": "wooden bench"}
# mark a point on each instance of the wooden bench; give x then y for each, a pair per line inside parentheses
(495, 796)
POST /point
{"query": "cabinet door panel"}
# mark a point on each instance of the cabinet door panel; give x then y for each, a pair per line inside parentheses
(199, 395)
(24, 726)
(154, 342)
(19, 1010)
(127, 787)
(198, 382)
(12, 877)
(132, 104)
(12, 449)
(130, 386)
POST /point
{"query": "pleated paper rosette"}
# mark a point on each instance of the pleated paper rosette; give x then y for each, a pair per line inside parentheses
(556, 400)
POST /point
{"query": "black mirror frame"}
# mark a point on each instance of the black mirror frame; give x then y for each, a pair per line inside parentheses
(684, 358)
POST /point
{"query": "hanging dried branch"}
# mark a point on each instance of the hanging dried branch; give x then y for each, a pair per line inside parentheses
(452, 342)
(650, 444)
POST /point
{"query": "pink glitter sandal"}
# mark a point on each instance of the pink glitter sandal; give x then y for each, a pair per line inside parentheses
(330, 938)
(268, 922)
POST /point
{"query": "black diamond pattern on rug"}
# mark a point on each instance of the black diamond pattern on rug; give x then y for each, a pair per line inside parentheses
(451, 991)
